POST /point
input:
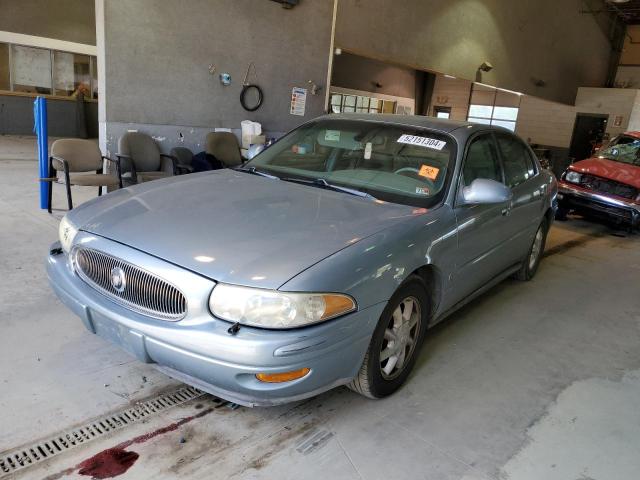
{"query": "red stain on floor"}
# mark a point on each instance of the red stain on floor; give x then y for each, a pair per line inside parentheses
(108, 463)
(115, 461)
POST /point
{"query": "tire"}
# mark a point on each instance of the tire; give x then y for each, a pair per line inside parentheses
(378, 379)
(530, 263)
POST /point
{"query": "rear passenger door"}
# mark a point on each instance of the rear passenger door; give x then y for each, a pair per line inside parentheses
(482, 229)
(526, 210)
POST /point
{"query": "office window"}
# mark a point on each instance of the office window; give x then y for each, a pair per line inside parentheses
(343, 102)
(491, 106)
(71, 72)
(349, 103)
(31, 69)
(442, 112)
(375, 105)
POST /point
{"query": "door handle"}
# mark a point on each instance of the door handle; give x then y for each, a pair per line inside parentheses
(506, 211)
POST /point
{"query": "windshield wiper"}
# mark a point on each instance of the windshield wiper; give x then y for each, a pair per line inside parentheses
(254, 171)
(322, 183)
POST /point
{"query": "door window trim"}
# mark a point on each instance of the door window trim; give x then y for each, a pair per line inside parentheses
(532, 158)
(459, 183)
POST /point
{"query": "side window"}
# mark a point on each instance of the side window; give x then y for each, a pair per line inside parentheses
(482, 161)
(518, 164)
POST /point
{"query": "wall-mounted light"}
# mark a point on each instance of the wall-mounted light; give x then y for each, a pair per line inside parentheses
(484, 67)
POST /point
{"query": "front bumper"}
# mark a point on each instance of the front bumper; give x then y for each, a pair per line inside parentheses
(199, 351)
(573, 197)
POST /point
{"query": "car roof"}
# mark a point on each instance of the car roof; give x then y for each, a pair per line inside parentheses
(432, 123)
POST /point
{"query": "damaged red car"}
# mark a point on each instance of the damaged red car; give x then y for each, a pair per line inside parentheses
(606, 185)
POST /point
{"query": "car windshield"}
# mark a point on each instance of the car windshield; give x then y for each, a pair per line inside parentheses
(624, 149)
(394, 163)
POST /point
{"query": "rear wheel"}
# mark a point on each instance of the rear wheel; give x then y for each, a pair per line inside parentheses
(395, 343)
(532, 261)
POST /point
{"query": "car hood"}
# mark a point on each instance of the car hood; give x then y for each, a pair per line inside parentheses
(618, 171)
(235, 227)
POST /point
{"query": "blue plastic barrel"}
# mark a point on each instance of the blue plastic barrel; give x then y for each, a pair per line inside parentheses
(40, 129)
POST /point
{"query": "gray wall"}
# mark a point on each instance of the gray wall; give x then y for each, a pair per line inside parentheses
(361, 73)
(543, 39)
(16, 117)
(70, 20)
(157, 55)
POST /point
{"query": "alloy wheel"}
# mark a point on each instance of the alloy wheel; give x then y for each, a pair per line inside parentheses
(400, 338)
(536, 249)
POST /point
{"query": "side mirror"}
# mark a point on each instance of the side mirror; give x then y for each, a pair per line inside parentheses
(485, 191)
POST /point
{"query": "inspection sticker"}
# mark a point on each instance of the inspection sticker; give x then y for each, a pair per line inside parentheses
(332, 136)
(429, 172)
(422, 142)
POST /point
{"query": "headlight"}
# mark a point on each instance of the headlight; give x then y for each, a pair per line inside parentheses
(573, 177)
(273, 309)
(66, 232)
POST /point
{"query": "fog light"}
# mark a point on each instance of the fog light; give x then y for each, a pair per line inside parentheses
(282, 377)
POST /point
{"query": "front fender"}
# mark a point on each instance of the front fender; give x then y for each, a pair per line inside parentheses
(372, 269)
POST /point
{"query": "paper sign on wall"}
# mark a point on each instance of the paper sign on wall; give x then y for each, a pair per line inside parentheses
(422, 142)
(298, 101)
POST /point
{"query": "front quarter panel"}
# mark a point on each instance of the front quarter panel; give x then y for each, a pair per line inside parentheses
(372, 269)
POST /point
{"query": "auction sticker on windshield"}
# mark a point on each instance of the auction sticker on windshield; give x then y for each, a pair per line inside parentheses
(422, 142)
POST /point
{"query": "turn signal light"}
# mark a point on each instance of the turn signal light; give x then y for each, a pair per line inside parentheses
(282, 377)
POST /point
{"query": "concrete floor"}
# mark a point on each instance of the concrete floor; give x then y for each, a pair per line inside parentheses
(537, 380)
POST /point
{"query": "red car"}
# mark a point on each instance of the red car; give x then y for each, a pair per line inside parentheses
(607, 184)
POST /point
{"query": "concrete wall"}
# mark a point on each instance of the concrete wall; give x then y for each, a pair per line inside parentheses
(360, 73)
(70, 20)
(454, 93)
(545, 123)
(157, 56)
(549, 40)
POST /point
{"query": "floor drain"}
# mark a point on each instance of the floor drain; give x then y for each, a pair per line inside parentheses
(26, 456)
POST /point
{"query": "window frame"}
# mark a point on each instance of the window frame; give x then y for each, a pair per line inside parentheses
(531, 156)
(13, 92)
(459, 183)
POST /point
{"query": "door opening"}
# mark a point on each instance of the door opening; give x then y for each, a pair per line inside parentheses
(588, 132)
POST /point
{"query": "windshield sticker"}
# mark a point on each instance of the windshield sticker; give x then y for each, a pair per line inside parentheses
(332, 136)
(367, 151)
(422, 191)
(429, 172)
(422, 142)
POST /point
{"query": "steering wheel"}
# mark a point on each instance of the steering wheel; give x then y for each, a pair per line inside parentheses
(414, 172)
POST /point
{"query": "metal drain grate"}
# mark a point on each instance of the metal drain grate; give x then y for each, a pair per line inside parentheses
(45, 449)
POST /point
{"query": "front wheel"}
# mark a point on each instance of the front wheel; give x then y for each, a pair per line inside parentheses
(395, 343)
(532, 261)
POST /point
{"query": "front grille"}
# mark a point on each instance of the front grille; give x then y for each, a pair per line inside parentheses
(140, 290)
(611, 187)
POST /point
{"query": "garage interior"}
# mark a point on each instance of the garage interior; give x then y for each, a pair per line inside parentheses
(532, 380)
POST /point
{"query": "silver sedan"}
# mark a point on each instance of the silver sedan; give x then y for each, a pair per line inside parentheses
(321, 262)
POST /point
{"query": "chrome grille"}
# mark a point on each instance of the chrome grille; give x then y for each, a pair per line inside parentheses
(141, 291)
